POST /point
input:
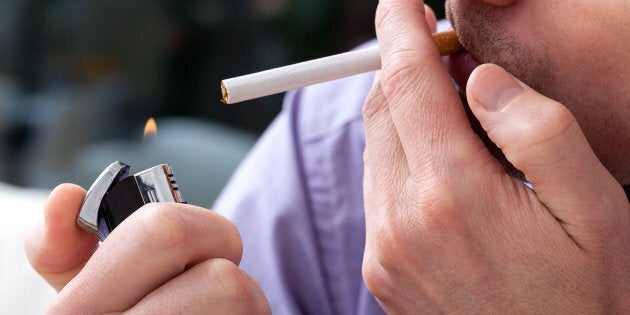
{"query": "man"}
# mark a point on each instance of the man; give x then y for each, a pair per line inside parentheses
(447, 227)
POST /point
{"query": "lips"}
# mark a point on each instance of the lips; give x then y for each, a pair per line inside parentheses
(460, 66)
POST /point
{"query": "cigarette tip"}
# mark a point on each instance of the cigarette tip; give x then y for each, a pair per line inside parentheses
(224, 93)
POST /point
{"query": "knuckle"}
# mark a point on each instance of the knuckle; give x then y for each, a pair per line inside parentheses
(374, 104)
(163, 225)
(376, 279)
(405, 76)
(436, 213)
(235, 288)
(397, 68)
(433, 192)
(548, 129)
(232, 238)
(397, 72)
(390, 13)
(384, 12)
(555, 120)
(388, 245)
(404, 233)
(439, 212)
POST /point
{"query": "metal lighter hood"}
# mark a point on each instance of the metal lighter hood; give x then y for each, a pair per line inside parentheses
(115, 195)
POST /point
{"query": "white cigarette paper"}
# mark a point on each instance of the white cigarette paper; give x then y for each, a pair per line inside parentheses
(315, 71)
(300, 75)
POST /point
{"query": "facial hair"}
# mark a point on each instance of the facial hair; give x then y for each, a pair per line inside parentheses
(481, 29)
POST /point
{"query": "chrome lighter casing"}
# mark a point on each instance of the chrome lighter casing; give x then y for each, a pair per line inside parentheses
(115, 195)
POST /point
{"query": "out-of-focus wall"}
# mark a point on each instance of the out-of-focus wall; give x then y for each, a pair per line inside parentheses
(76, 76)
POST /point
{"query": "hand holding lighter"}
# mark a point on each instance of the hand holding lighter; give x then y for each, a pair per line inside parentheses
(115, 195)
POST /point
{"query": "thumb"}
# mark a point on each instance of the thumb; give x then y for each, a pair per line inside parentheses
(541, 138)
(58, 248)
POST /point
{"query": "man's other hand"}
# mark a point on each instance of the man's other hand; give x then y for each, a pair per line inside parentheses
(165, 258)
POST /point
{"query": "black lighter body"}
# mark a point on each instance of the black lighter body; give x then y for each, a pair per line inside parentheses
(115, 195)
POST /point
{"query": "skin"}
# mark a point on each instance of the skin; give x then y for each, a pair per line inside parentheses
(448, 229)
(574, 53)
(160, 260)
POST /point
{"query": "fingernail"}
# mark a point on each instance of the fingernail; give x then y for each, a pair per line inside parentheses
(495, 88)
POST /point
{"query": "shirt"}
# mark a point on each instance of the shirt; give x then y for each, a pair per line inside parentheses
(297, 200)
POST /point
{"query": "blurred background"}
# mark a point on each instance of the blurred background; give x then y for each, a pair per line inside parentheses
(79, 79)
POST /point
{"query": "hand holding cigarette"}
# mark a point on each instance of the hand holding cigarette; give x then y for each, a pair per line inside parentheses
(315, 71)
(448, 229)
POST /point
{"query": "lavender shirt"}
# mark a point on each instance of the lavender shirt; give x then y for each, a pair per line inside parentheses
(297, 200)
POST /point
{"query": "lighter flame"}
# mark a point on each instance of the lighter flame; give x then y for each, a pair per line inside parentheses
(150, 128)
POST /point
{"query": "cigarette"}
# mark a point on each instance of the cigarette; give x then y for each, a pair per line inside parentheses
(315, 71)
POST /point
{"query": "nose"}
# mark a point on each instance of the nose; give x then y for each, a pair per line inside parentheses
(500, 2)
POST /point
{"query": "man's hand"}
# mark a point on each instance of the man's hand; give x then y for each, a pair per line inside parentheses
(165, 258)
(448, 230)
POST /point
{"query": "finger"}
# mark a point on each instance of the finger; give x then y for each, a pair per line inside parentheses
(155, 244)
(58, 248)
(425, 107)
(385, 172)
(215, 286)
(429, 15)
(385, 163)
(542, 138)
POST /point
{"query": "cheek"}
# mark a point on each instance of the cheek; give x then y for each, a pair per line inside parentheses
(583, 34)
(576, 43)
(584, 51)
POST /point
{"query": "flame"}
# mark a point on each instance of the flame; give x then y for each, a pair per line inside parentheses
(150, 128)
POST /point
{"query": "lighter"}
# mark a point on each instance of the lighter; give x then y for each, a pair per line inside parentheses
(115, 195)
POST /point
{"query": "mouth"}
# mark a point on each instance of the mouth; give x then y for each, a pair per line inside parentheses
(460, 66)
